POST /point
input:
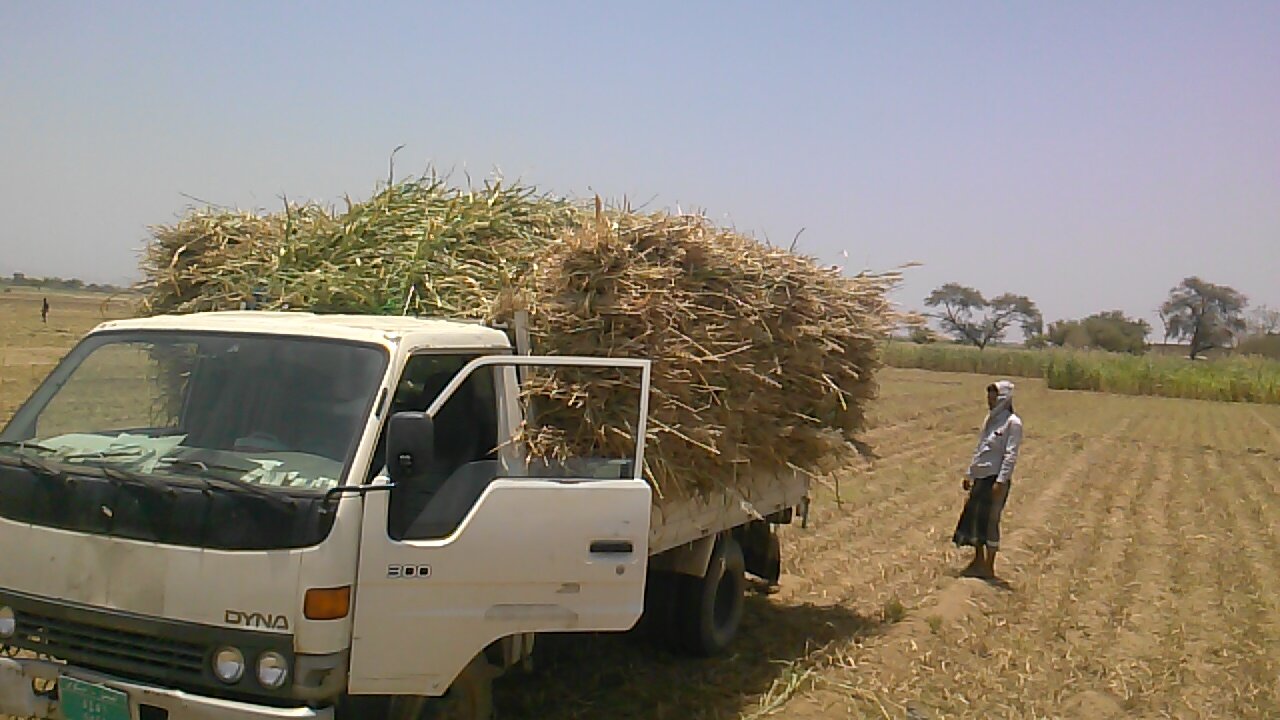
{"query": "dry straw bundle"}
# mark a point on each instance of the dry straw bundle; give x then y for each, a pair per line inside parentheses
(763, 360)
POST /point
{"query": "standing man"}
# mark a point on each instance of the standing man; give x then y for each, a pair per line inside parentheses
(988, 479)
(44, 311)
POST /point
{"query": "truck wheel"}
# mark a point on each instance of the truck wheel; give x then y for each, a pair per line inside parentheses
(661, 594)
(710, 610)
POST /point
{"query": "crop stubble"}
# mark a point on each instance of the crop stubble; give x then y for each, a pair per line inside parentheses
(1140, 578)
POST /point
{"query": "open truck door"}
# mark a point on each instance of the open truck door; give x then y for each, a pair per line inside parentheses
(455, 558)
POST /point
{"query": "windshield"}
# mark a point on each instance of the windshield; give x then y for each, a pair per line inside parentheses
(255, 410)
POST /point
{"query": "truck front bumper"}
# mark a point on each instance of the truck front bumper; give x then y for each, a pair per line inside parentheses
(19, 698)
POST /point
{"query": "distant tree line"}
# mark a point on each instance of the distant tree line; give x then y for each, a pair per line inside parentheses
(56, 283)
(1110, 330)
(1203, 315)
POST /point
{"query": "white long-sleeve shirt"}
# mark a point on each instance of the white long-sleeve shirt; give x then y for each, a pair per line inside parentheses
(997, 452)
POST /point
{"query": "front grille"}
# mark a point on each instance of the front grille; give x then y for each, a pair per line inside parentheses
(107, 649)
(146, 649)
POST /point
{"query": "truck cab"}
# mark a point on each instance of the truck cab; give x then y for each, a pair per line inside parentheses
(288, 515)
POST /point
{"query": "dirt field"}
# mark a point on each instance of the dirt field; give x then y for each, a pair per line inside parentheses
(1141, 578)
(29, 348)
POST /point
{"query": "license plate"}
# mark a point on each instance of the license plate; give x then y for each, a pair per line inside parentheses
(80, 700)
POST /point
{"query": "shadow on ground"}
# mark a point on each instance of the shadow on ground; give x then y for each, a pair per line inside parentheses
(594, 677)
(995, 582)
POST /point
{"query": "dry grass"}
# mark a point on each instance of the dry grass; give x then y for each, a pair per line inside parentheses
(762, 359)
(1141, 572)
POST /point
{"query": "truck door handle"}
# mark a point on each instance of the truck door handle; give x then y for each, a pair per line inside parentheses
(612, 547)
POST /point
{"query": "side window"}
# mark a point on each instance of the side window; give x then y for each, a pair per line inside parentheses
(432, 501)
(467, 426)
(466, 441)
(470, 424)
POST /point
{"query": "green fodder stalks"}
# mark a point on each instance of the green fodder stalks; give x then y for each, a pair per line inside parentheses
(421, 247)
(1232, 378)
(957, 358)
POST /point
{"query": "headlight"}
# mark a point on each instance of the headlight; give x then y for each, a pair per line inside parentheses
(273, 670)
(8, 622)
(228, 665)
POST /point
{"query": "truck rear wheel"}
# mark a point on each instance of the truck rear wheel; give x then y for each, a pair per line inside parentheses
(710, 608)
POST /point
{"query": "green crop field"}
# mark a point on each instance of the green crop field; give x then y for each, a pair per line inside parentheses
(1232, 378)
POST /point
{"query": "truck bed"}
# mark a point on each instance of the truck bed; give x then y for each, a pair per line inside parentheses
(675, 521)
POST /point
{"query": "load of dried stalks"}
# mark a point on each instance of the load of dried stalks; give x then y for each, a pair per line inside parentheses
(763, 360)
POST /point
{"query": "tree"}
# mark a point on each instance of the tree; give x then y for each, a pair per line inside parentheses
(1207, 315)
(1109, 330)
(1263, 321)
(1009, 309)
(958, 306)
(1263, 325)
(970, 318)
(1114, 331)
(1068, 333)
(922, 335)
(1038, 341)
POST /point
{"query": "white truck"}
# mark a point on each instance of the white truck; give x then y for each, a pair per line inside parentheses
(288, 515)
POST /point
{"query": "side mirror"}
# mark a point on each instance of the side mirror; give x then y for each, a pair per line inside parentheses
(410, 446)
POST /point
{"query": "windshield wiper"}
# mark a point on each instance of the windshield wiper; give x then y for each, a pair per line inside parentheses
(23, 445)
(236, 485)
(121, 476)
(63, 467)
(204, 466)
(34, 464)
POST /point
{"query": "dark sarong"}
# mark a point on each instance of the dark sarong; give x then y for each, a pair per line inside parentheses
(980, 520)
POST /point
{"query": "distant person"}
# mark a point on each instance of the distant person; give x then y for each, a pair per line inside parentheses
(988, 479)
(44, 311)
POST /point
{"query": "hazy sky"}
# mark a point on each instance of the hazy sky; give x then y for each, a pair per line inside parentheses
(1089, 155)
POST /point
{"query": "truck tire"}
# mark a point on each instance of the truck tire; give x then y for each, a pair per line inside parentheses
(710, 610)
(661, 595)
(762, 551)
